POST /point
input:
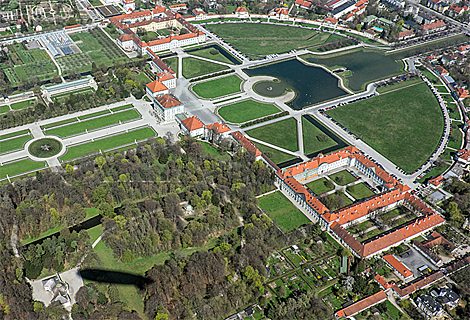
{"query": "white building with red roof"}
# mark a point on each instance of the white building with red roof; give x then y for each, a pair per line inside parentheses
(167, 107)
(281, 13)
(156, 88)
(128, 5)
(199, 14)
(242, 12)
(191, 126)
(216, 131)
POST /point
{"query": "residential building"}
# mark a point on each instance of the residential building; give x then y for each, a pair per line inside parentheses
(398, 267)
(406, 34)
(446, 297)
(156, 88)
(281, 13)
(242, 12)
(363, 304)
(442, 71)
(429, 306)
(199, 14)
(168, 106)
(463, 156)
(433, 26)
(178, 7)
(216, 131)
(436, 182)
(191, 126)
(330, 20)
(303, 4)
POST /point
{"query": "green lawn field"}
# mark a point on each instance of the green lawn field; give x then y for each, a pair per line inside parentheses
(193, 67)
(313, 138)
(92, 115)
(12, 169)
(94, 123)
(275, 155)
(23, 104)
(319, 186)
(120, 108)
(405, 125)
(247, 110)
(343, 177)
(58, 123)
(455, 140)
(206, 53)
(282, 134)
(280, 209)
(172, 63)
(107, 143)
(359, 191)
(262, 39)
(218, 87)
(14, 134)
(13, 144)
(4, 109)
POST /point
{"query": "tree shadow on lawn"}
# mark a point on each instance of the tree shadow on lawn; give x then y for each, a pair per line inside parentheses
(107, 276)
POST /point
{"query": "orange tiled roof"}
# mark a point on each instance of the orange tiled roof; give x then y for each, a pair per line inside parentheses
(174, 6)
(362, 304)
(156, 86)
(464, 48)
(437, 180)
(165, 75)
(218, 127)
(309, 198)
(125, 37)
(70, 27)
(361, 3)
(418, 285)
(405, 33)
(192, 123)
(433, 25)
(303, 3)
(441, 70)
(241, 9)
(418, 204)
(331, 19)
(398, 265)
(281, 11)
(246, 143)
(464, 154)
(382, 281)
(360, 209)
(462, 93)
(198, 11)
(168, 101)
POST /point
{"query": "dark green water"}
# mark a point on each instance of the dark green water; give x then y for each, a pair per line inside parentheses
(311, 84)
(365, 66)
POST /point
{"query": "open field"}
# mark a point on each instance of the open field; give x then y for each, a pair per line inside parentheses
(19, 167)
(282, 134)
(405, 125)
(314, 139)
(13, 143)
(193, 67)
(321, 185)
(208, 54)
(247, 110)
(359, 191)
(94, 123)
(279, 208)
(107, 143)
(264, 39)
(218, 87)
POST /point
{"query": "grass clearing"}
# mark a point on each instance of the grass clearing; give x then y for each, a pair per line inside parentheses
(213, 152)
(218, 87)
(279, 208)
(107, 143)
(282, 134)
(359, 191)
(405, 125)
(96, 123)
(320, 186)
(18, 167)
(314, 139)
(247, 110)
(193, 67)
(275, 155)
(95, 232)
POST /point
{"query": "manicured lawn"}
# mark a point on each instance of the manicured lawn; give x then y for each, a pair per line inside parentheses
(246, 110)
(404, 125)
(107, 143)
(13, 144)
(95, 232)
(282, 134)
(453, 110)
(58, 123)
(18, 167)
(279, 208)
(455, 139)
(207, 53)
(314, 139)
(23, 104)
(214, 152)
(67, 94)
(393, 312)
(127, 106)
(319, 186)
(92, 115)
(343, 177)
(14, 134)
(359, 191)
(275, 155)
(218, 87)
(143, 76)
(262, 39)
(193, 67)
(94, 123)
(399, 85)
(172, 63)
(4, 109)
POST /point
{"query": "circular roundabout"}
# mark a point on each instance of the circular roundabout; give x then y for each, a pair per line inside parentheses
(45, 148)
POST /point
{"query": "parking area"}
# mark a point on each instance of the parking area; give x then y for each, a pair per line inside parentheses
(414, 261)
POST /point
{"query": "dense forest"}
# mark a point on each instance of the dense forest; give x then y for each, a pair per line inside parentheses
(143, 195)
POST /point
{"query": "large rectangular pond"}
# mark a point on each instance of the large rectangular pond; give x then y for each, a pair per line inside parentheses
(312, 85)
